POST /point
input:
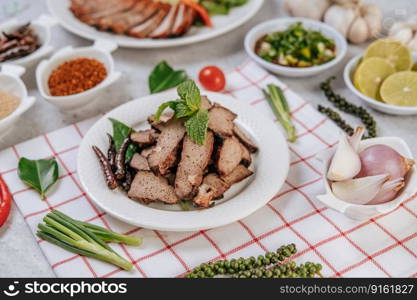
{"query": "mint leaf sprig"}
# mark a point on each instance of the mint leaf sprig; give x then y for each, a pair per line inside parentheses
(189, 107)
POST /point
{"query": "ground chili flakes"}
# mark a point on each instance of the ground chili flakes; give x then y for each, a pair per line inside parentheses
(76, 76)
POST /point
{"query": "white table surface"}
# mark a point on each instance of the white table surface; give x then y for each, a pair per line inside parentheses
(20, 254)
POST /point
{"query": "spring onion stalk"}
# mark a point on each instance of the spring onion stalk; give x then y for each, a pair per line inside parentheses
(76, 237)
(279, 104)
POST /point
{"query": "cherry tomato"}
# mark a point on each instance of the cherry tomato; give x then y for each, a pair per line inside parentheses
(212, 78)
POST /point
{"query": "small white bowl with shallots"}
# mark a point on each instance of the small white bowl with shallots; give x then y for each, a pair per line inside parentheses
(366, 212)
(12, 86)
(100, 51)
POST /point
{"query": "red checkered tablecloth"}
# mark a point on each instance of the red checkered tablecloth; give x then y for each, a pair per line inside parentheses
(385, 246)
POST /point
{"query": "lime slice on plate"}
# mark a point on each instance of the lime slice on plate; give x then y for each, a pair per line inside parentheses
(370, 74)
(400, 89)
(395, 52)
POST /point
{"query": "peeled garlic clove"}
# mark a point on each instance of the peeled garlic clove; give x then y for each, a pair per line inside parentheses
(312, 9)
(388, 191)
(356, 138)
(359, 190)
(340, 18)
(345, 163)
(358, 31)
(404, 35)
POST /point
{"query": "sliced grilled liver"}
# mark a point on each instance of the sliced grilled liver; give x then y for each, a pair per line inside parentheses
(229, 156)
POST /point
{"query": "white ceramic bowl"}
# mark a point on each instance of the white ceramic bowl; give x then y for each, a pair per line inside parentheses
(270, 166)
(10, 82)
(42, 27)
(101, 51)
(365, 212)
(282, 24)
(348, 73)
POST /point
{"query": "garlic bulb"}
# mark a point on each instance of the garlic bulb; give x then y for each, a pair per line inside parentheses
(345, 163)
(343, 2)
(404, 35)
(340, 18)
(359, 190)
(413, 44)
(312, 9)
(358, 31)
(397, 27)
(372, 15)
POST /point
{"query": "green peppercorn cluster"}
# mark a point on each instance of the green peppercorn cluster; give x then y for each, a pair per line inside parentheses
(335, 117)
(264, 266)
(347, 107)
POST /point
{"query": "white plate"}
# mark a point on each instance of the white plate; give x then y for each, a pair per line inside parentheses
(222, 25)
(270, 165)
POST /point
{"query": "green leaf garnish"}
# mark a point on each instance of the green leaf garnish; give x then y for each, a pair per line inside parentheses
(120, 133)
(38, 174)
(196, 126)
(164, 77)
(189, 92)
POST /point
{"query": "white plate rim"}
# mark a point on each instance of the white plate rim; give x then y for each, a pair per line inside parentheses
(162, 43)
(272, 160)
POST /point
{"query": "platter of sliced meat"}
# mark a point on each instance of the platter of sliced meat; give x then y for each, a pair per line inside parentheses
(145, 23)
(224, 179)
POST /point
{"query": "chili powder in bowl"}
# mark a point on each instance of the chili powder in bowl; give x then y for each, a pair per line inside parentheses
(75, 77)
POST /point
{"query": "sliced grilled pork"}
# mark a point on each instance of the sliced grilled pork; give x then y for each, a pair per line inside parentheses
(159, 125)
(194, 160)
(213, 187)
(165, 153)
(120, 7)
(144, 29)
(121, 23)
(185, 18)
(147, 151)
(237, 175)
(82, 7)
(148, 187)
(139, 163)
(244, 139)
(221, 120)
(229, 156)
(144, 138)
(206, 103)
(246, 156)
(164, 29)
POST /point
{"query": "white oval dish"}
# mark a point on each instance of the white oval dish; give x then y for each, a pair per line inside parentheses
(365, 212)
(221, 25)
(282, 24)
(101, 51)
(348, 73)
(10, 82)
(270, 167)
(42, 27)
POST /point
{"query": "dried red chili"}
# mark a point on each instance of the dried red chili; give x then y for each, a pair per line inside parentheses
(5, 201)
(76, 76)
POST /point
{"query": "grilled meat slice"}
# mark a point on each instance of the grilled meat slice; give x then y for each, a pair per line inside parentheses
(194, 160)
(164, 29)
(144, 138)
(206, 103)
(121, 23)
(237, 175)
(212, 188)
(246, 156)
(251, 146)
(143, 30)
(139, 163)
(83, 7)
(95, 17)
(229, 156)
(184, 20)
(147, 151)
(159, 125)
(221, 120)
(148, 187)
(165, 153)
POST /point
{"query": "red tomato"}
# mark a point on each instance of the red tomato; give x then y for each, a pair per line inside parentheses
(212, 78)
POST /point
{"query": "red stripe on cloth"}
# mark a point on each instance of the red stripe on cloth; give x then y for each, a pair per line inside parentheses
(181, 261)
(53, 207)
(255, 239)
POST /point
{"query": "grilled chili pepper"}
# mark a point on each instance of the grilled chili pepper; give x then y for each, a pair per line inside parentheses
(107, 171)
(5, 201)
(111, 153)
(120, 159)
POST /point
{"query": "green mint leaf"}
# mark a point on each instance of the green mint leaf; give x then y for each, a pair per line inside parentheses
(182, 110)
(190, 93)
(196, 126)
(38, 174)
(164, 77)
(120, 133)
(163, 107)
